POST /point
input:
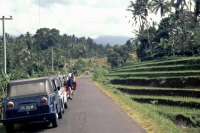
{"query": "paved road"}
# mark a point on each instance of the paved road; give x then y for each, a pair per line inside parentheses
(90, 111)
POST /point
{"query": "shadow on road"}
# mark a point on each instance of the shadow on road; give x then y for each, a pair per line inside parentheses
(32, 128)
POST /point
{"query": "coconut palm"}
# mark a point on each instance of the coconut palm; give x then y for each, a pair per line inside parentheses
(140, 11)
(179, 4)
(160, 5)
(196, 10)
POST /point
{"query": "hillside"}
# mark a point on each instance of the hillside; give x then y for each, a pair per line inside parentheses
(112, 40)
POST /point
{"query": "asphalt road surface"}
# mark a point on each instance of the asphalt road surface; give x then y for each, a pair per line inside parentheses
(90, 111)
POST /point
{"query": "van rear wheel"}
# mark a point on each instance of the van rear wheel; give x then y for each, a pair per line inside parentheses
(66, 105)
(55, 121)
(60, 114)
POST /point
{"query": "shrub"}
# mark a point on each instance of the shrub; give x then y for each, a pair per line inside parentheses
(98, 75)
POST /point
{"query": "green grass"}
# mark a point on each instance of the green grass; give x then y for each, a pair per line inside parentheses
(2, 128)
(159, 68)
(115, 77)
(191, 116)
(167, 98)
(153, 88)
(167, 112)
(152, 74)
(185, 60)
(173, 82)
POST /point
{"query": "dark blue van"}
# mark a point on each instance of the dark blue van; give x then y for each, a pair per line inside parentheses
(30, 100)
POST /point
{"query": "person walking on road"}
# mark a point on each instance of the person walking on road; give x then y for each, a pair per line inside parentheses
(70, 85)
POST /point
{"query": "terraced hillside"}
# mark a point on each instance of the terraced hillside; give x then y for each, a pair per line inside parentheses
(171, 87)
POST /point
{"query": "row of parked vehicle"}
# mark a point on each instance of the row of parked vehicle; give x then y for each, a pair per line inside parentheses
(42, 99)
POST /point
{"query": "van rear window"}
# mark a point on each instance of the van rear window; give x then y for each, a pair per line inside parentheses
(27, 89)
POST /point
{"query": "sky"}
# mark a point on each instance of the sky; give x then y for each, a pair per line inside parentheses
(88, 18)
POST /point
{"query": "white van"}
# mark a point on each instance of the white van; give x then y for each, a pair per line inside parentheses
(87, 73)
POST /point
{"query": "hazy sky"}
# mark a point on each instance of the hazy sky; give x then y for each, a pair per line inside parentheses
(89, 18)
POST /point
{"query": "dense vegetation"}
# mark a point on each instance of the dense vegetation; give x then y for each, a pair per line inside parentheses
(33, 53)
(176, 34)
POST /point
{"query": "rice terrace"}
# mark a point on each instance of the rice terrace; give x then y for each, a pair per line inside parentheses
(168, 87)
(149, 82)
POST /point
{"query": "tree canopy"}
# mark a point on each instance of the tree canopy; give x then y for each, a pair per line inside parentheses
(176, 34)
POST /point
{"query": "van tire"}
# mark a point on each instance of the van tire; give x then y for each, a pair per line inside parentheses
(55, 121)
(60, 114)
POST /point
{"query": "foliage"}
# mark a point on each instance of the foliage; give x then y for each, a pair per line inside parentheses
(120, 54)
(176, 34)
(98, 75)
(4, 79)
(78, 66)
(34, 52)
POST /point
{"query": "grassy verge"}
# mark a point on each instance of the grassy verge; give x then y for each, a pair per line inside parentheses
(2, 128)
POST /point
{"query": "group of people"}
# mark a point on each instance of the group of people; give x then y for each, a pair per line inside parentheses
(69, 85)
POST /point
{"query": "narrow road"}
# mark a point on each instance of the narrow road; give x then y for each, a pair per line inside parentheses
(90, 111)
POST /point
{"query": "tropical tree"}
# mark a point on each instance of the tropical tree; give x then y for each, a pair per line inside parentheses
(196, 11)
(140, 11)
(160, 5)
(118, 55)
(179, 4)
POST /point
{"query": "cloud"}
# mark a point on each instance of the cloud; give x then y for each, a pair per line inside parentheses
(49, 3)
(79, 17)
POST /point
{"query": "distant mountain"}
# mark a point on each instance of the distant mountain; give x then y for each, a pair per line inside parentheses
(112, 40)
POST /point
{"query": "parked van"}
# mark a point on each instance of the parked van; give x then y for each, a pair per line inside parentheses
(87, 72)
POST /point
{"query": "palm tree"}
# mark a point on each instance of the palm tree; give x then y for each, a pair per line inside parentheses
(179, 4)
(160, 5)
(29, 42)
(180, 10)
(140, 11)
(196, 11)
(9, 38)
(21, 58)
